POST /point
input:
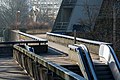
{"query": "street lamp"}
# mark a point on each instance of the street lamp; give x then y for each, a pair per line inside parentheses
(17, 19)
(76, 28)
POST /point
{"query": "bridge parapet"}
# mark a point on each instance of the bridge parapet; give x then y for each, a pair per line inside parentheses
(20, 36)
(30, 61)
(6, 48)
(93, 46)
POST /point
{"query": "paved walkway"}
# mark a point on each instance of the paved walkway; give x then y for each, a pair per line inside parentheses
(54, 45)
(10, 70)
(61, 47)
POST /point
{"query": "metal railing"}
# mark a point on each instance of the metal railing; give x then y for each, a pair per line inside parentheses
(84, 61)
(32, 37)
(69, 1)
(89, 60)
(22, 42)
(65, 40)
(78, 39)
(107, 52)
(33, 64)
(115, 57)
(61, 25)
(20, 36)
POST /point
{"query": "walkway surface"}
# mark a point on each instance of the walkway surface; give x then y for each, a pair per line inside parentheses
(54, 45)
(10, 70)
(61, 47)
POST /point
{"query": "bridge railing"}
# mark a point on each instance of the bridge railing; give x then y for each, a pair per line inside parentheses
(80, 54)
(61, 25)
(6, 48)
(65, 40)
(109, 55)
(20, 36)
(69, 1)
(39, 68)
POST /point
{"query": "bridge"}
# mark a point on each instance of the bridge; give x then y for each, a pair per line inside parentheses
(56, 57)
(53, 56)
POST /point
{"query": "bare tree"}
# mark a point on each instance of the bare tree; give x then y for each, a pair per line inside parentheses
(90, 10)
(8, 15)
(8, 12)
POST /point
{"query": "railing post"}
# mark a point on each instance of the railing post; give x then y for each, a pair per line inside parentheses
(43, 73)
(23, 61)
(30, 67)
(35, 70)
(74, 36)
(40, 72)
(26, 64)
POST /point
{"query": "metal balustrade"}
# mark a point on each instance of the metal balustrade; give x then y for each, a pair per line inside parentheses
(65, 40)
(107, 52)
(61, 25)
(32, 37)
(69, 1)
(20, 36)
(82, 56)
(37, 67)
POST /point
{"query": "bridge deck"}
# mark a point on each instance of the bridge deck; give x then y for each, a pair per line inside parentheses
(61, 60)
(56, 57)
(10, 70)
(65, 49)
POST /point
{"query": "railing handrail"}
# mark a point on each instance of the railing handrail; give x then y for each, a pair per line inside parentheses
(80, 60)
(106, 52)
(69, 1)
(30, 36)
(89, 60)
(85, 49)
(63, 22)
(33, 37)
(115, 57)
(78, 39)
(18, 42)
(67, 74)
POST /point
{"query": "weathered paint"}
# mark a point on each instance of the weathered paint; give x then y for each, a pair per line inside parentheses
(62, 72)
